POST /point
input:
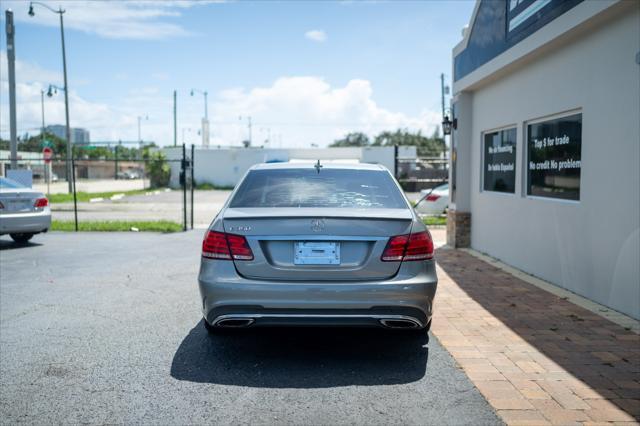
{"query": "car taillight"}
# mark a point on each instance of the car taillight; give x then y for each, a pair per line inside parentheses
(41, 202)
(218, 245)
(239, 247)
(394, 250)
(432, 197)
(418, 246)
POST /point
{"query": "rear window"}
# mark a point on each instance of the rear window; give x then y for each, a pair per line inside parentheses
(338, 188)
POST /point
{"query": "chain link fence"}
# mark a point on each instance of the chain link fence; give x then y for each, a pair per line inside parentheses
(113, 192)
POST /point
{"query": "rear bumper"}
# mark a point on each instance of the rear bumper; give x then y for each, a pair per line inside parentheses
(17, 223)
(408, 295)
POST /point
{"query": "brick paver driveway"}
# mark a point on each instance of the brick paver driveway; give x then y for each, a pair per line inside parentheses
(536, 357)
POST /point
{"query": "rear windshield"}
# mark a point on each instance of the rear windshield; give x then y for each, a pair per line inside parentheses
(337, 188)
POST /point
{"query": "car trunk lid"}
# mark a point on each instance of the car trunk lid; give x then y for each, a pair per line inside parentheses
(321, 244)
(16, 201)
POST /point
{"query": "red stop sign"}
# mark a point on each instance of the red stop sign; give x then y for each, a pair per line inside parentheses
(47, 153)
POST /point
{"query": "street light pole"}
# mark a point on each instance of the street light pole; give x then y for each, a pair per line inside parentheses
(47, 166)
(61, 12)
(42, 102)
(66, 105)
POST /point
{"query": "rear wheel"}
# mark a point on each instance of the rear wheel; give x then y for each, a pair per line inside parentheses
(21, 238)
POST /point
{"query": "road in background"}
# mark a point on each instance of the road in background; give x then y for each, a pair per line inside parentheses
(106, 328)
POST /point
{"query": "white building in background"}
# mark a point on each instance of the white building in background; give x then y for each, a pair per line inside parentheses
(225, 166)
(78, 134)
(545, 172)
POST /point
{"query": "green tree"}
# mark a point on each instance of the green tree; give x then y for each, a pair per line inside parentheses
(352, 139)
(159, 170)
(426, 146)
(34, 144)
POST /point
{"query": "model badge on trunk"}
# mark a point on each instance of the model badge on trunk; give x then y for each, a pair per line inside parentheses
(317, 225)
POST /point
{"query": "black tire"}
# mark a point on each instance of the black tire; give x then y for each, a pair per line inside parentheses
(428, 326)
(21, 238)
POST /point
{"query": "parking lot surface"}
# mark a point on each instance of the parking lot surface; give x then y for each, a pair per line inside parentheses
(154, 205)
(106, 328)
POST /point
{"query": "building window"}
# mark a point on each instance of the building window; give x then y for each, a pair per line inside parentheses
(500, 161)
(554, 152)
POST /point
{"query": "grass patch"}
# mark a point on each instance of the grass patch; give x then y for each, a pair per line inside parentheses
(117, 226)
(434, 220)
(86, 196)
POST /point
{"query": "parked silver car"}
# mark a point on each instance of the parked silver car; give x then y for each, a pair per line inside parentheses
(298, 244)
(24, 212)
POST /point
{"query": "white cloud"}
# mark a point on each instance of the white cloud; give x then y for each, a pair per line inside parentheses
(28, 72)
(307, 110)
(295, 111)
(316, 35)
(112, 19)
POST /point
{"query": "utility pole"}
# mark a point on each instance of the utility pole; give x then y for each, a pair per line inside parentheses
(205, 119)
(249, 127)
(146, 117)
(175, 118)
(205, 124)
(442, 92)
(11, 59)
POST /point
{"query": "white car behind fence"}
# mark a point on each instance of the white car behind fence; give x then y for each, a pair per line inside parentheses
(433, 201)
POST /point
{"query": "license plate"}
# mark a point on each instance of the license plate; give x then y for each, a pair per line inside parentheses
(17, 206)
(316, 253)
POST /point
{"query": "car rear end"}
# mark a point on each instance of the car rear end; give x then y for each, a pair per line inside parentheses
(298, 245)
(434, 201)
(22, 210)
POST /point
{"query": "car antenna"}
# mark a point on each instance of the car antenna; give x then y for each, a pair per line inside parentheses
(318, 166)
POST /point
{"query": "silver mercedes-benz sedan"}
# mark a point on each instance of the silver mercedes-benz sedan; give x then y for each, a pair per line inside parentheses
(323, 244)
(24, 212)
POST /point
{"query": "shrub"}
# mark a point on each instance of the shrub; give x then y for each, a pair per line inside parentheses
(159, 170)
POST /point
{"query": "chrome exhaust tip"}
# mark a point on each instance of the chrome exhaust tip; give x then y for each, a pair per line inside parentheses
(234, 322)
(399, 323)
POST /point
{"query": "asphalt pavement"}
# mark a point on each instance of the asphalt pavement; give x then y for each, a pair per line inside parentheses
(106, 328)
(153, 205)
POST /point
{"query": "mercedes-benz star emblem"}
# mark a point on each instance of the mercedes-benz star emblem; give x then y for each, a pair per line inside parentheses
(317, 225)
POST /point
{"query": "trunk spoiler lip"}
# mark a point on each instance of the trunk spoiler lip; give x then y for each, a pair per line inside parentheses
(305, 212)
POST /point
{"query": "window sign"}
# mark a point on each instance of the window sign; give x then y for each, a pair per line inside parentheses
(554, 149)
(500, 161)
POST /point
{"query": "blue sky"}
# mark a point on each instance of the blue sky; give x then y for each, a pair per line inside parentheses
(306, 72)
